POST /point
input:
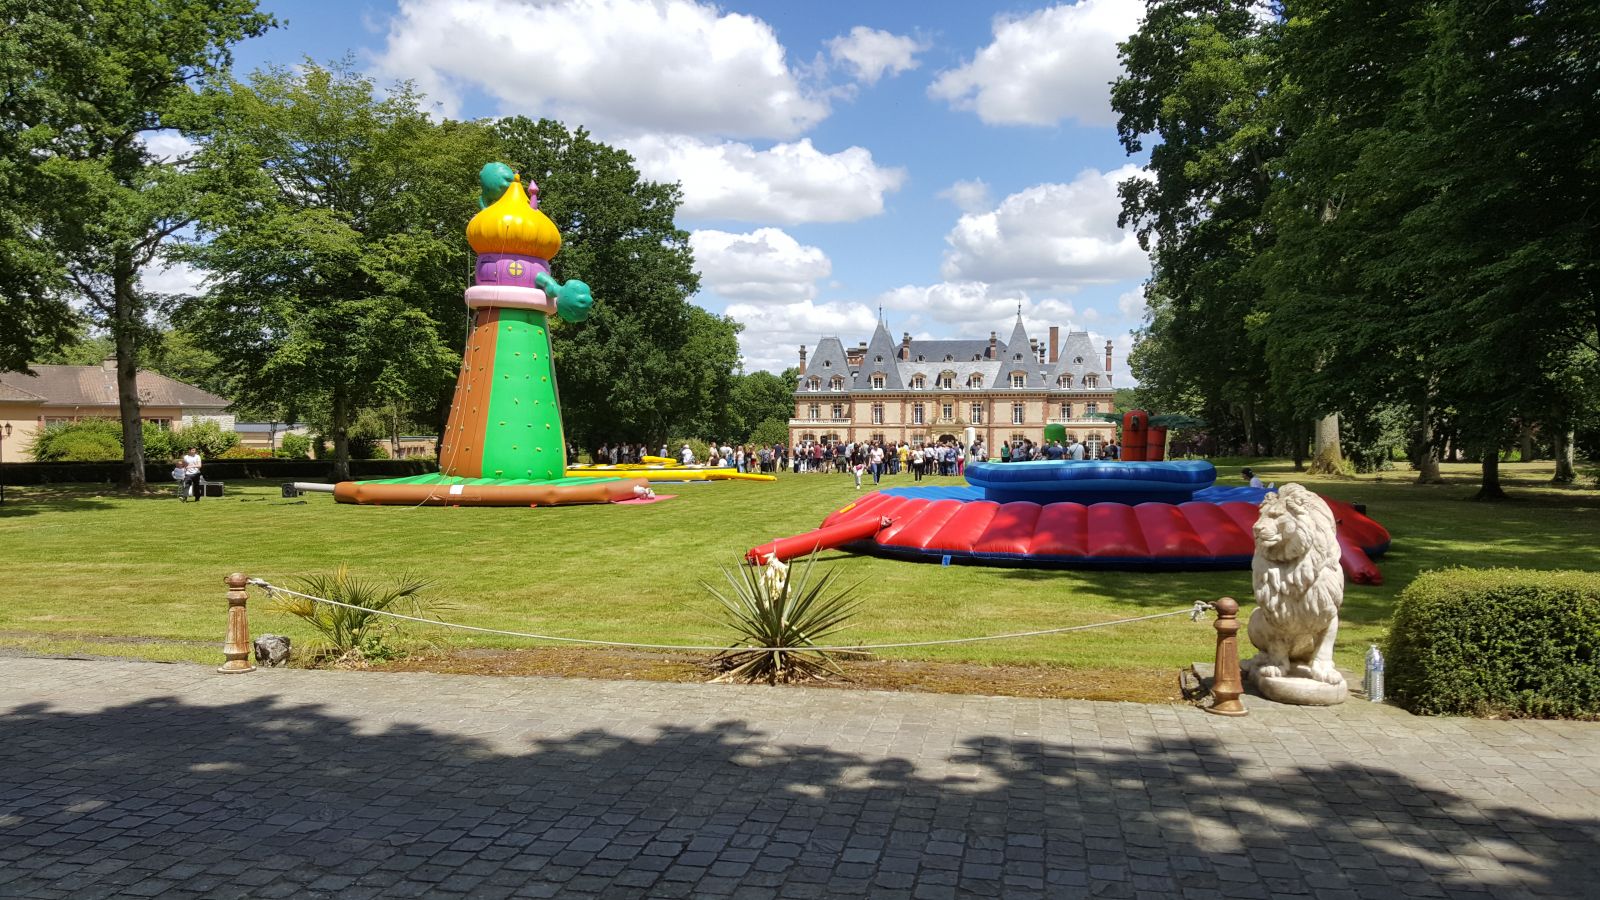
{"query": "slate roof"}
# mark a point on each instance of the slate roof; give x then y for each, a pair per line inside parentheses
(97, 386)
(958, 351)
(880, 357)
(829, 361)
(1079, 358)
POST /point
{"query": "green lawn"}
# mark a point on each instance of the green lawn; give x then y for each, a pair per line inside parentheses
(83, 564)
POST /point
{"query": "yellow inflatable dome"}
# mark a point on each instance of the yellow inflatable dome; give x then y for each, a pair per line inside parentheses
(512, 225)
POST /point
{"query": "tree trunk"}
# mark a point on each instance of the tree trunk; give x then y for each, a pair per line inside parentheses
(1528, 448)
(1298, 437)
(341, 437)
(1327, 460)
(1427, 455)
(125, 331)
(1490, 490)
(1566, 468)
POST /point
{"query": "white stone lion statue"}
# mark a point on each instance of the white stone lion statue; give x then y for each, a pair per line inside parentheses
(1299, 587)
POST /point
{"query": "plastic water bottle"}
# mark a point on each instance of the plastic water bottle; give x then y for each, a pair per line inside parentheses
(1374, 677)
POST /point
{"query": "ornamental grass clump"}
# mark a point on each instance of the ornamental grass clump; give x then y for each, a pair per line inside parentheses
(780, 620)
(358, 635)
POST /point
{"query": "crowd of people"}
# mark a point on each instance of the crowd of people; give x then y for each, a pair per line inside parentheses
(859, 458)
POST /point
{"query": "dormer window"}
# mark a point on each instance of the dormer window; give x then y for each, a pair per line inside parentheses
(877, 381)
(975, 381)
(1065, 381)
(880, 359)
(814, 384)
(918, 382)
(1017, 356)
(949, 358)
(947, 380)
(1019, 380)
(1077, 360)
(1089, 381)
(837, 384)
(827, 364)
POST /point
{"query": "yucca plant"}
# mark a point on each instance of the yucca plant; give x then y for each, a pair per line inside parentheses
(357, 633)
(785, 617)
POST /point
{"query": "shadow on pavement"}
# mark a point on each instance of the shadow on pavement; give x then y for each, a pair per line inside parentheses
(266, 798)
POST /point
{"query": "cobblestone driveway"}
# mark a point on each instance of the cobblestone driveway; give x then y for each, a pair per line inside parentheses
(143, 780)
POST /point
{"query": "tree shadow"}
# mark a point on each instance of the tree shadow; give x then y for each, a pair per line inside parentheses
(271, 798)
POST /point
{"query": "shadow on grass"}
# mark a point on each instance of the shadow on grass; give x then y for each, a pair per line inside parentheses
(270, 798)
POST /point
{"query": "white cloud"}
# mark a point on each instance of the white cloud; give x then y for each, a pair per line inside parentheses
(1049, 237)
(178, 278)
(1054, 64)
(1131, 304)
(968, 196)
(774, 332)
(787, 184)
(623, 65)
(168, 145)
(765, 265)
(869, 53)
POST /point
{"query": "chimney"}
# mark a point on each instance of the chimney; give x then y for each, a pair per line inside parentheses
(802, 359)
(1108, 357)
(1055, 342)
(905, 346)
(991, 352)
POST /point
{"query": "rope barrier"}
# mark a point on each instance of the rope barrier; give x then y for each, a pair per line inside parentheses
(1193, 612)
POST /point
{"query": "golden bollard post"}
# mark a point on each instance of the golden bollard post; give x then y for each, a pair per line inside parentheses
(237, 648)
(1226, 685)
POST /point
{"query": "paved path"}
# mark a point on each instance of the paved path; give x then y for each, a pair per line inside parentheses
(139, 779)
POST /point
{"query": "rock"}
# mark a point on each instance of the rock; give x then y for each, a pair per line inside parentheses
(1301, 691)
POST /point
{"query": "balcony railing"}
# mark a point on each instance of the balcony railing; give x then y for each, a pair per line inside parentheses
(820, 421)
(1078, 420)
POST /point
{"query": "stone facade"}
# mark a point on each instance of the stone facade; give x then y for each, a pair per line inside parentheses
(922, 391)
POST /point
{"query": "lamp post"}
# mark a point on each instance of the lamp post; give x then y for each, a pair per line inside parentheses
(4, 433)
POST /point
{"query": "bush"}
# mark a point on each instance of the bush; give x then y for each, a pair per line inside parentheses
(158, 444)
(357, 635)
(295, 446)
(208, 436)
(702, 450)
(87, 440)
(244, 453)
(1489, 642)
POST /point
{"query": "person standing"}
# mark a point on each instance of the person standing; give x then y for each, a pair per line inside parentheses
(191, 475)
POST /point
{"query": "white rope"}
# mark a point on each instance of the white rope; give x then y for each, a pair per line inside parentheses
(1193, 612)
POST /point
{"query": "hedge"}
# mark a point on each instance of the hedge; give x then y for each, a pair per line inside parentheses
(215, 470)
(1497, 642)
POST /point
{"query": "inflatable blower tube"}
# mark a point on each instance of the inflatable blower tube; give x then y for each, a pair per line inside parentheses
(855, 529)
(1358, 566)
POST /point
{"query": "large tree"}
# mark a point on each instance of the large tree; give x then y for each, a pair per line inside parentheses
(334, 242)
(646, 363)
(87, 80)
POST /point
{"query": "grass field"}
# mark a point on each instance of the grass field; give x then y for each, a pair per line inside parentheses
(89, 570)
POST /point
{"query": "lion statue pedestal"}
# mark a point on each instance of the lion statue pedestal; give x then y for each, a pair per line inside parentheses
(1299, 587)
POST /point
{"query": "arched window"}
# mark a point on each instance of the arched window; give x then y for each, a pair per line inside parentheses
(808, 437)
(837, 384)
(1090, 381)
(1065, 381)
(877, 413)
(918, 382)
(918, 414)
(947, 379)
(975, 381)
(877, 381)
(814, 384)
(1019, 379)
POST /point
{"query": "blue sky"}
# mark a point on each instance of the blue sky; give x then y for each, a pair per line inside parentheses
(945, 161)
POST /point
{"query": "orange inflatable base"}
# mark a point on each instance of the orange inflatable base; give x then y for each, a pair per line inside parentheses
(368, 493)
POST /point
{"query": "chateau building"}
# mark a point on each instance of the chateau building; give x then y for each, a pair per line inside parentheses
(928, 391)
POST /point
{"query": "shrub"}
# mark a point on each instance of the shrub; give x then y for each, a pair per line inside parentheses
(208, 436)
(242, 452)
(702, 450)
(295, 446)
(87, 440)
(1489, 642)
(784, 615)
(158, 444)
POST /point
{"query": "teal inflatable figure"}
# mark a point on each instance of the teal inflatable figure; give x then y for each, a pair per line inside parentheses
(495, 177)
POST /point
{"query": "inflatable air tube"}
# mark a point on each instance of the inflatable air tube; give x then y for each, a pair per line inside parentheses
(1053, 481)
(827, 538)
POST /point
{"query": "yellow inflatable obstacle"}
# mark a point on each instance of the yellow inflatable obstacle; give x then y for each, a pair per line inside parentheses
(664, 473)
